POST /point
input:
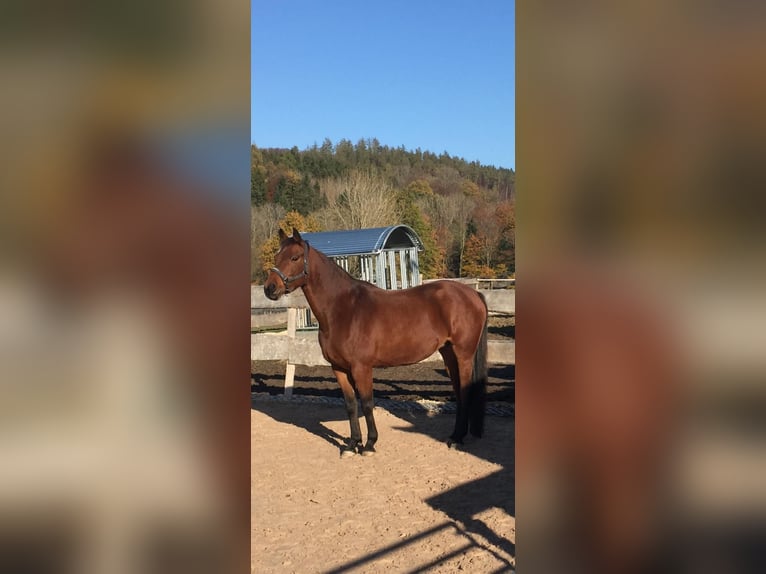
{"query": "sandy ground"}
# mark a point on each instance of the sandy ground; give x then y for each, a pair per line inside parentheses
(415, 506)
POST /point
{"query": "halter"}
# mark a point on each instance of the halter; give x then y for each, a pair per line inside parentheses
(305, 273)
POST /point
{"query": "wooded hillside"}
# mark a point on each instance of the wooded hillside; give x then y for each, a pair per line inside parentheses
(463, 211)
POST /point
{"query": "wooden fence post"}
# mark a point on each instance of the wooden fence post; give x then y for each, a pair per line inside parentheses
(292, 317)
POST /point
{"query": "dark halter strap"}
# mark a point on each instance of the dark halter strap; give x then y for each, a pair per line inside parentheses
(305, 273)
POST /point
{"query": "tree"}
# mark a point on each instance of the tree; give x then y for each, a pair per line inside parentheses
(470, 189)
(359, 200)
(449, 200)
(459, 210)
(258, 176)
(264, 222)
(432, 258)
(297, 193)
(475, 259)
(505, 214)
(420, 188)
(344, 151)
(488, 228)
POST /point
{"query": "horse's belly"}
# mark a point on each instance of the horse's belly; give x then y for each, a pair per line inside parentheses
(394, 356)
(390, 351)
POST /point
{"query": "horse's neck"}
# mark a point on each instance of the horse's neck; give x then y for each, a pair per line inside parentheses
(327, 283)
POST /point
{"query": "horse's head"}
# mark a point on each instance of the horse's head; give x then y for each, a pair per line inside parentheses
(291, 266)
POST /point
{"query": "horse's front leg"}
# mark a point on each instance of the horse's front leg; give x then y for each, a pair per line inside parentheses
(350, 397)
(363, 379)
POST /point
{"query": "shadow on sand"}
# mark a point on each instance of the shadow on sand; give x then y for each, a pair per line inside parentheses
(423, 381)
(464, 503)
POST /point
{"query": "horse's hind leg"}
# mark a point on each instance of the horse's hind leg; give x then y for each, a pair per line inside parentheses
(363, 379)
(353, 417)
(461, 396)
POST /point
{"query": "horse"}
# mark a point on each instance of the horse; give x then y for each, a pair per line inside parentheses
(362, 326)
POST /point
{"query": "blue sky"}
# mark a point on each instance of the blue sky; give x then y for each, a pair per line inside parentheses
(434, 74)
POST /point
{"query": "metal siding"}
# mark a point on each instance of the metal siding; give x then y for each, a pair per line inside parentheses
(380, 267)
(403, 268)
(392, 269)
(358, 241)
(414, 267)
(378, 263)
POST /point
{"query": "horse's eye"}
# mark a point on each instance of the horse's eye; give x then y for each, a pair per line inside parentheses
(294, 258)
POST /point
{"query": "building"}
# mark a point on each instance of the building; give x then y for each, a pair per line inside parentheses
(385, 256)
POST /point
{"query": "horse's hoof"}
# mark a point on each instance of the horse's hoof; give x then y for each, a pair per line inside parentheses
(347, 452)
(368, 451)
(456, 444)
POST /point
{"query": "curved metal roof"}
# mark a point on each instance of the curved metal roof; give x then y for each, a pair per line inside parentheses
(364, 241)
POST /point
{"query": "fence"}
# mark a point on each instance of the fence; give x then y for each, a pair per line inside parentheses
(273, 313)
(302, 348)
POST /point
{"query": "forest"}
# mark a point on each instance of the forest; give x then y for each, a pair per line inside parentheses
(464, 212)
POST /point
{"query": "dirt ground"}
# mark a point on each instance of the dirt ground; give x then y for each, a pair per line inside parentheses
(415, 506)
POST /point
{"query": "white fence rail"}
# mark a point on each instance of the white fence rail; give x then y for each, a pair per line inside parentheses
(303, 348)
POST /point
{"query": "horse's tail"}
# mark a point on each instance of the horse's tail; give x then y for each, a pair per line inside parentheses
(477, 396)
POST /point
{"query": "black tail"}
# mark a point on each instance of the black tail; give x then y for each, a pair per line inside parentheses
(477, 394)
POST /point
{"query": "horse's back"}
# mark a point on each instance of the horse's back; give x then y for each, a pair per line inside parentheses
(447, 307)
(455, 298)
(447, 296)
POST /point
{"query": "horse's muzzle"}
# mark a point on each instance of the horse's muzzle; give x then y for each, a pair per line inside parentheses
(272, 291)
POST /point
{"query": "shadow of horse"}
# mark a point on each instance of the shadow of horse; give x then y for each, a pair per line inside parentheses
(313, 423)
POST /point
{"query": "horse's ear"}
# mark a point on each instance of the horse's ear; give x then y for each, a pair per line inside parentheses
(296, 235)
(282, 235)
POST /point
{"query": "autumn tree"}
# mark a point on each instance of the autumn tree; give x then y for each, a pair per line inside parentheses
(470, 189)
(475, 258)
(420, 188)
(432, 259)
(360, 200)
(487, 227)
(459, 209)
(505, 214)
(264, 222)
(448, 199)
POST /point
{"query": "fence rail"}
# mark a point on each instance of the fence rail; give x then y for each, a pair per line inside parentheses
(303, 348)
(498, 300)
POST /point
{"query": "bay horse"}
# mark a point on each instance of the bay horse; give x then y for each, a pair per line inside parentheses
(362, 326)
